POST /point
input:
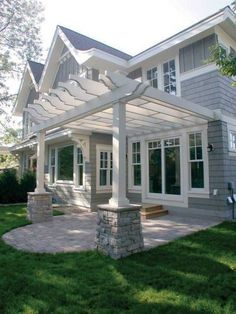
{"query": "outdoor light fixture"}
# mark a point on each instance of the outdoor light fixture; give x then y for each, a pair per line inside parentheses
(210, 148)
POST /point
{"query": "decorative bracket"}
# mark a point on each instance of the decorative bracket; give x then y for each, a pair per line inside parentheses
(82, 142)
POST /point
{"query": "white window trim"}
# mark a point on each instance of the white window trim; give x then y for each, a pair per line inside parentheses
(160, 74)
(193, 192)
(133, 188)
(73, 182)
(231, 129)
(101, 148)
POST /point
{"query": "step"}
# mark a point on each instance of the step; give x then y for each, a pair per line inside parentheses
(152, 211)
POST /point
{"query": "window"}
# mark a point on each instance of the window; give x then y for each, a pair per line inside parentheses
(196, 161)
(152, 77)
(52, 165)
(136, 164)
(65, 157)
(195, 54)
(104, 168)
(232, 140)
(80, 167)
(169, 77)
(164, 166)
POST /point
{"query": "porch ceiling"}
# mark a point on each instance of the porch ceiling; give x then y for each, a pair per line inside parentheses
(84, 104)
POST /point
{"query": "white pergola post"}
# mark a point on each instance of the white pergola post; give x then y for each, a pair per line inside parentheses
(119, 157)
(40, 163)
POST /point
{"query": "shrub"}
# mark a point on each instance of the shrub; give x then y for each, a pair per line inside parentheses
(9, 186)
(27, 184)
(13, 190)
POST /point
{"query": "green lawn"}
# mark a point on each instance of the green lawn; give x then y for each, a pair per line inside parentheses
(195, 274)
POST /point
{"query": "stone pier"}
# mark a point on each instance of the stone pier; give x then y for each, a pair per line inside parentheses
(119, 230)
(39, 207)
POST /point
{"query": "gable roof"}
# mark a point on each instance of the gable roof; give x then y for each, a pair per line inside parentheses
(82, 42)
(36, 69)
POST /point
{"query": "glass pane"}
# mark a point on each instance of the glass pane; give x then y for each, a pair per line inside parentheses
(154, 72)
(191, 140)
(138, 158)
(134, 147)
(110, 177)
(137, 175)
(134, 159)
(166, 79)
(155, 181)
(52, 174)
(172, 173)
(80, 175)
(199, 152)
(53, 157)
(149, 76)
(172, 65)
(138, 146)
(198, 139)
(192, 153)
(65, 163)
(103, 177)
(165, 67)
(197, 175)
(154, 83)
(172, 89)
(167, 89)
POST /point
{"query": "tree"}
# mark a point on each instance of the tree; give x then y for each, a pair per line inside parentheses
(226, 63)
(20, 22)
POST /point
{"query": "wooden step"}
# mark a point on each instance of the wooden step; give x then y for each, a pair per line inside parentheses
(152, 211)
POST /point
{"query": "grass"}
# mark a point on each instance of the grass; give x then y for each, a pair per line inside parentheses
(195, 274)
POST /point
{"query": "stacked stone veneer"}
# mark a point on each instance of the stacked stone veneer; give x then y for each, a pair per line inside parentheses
(119, 231)
(39, 207)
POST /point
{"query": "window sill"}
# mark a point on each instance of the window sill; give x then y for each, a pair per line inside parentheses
(105, 190)
(199, 194)
(135, 190)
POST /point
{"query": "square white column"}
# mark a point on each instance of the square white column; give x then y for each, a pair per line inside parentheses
(119, 157)
(40, 163)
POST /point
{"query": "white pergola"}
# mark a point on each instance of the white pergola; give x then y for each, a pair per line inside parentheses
(116, 105)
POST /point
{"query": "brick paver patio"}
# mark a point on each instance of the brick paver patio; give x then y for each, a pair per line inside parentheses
(76, 232)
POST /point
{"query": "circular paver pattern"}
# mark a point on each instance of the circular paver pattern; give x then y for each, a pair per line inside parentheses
(67, 233)
(76, 232)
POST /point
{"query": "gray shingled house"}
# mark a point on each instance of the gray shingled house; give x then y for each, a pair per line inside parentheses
(170, 116)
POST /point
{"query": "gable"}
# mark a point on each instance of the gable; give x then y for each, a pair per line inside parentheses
(68, 65)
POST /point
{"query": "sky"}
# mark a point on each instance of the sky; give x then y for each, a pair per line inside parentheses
(128, 25)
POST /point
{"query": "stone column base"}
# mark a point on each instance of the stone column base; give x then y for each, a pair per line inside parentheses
(119, 231)
(39, 207)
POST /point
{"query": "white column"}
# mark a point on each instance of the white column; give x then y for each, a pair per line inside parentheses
(119, 157)
(40, 163)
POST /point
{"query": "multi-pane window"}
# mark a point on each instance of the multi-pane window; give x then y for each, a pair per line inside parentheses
(196, 161)
(232, 140)
(105, 168)
(136, 164)
(53, 165)
(152, 77)
(169, 77)
(80, 167)
(164, 166)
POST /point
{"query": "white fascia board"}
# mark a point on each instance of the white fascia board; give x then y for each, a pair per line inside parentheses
(177, 39)
(97, 53)
(23, 93)
(49, 65)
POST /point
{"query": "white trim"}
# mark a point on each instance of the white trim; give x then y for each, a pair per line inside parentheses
(184, 35)
(133, 188)
(207, 68)
(106, 188)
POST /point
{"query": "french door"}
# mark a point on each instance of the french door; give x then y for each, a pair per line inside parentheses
(164, 173)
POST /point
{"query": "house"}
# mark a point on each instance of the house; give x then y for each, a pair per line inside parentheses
(176, 121)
